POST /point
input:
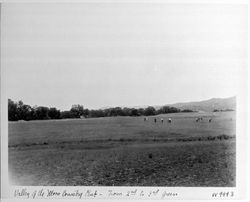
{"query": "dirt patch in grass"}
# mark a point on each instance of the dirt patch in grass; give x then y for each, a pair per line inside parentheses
(187, 164)
(191, 163)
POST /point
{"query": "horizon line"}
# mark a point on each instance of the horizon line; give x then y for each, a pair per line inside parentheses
(134, 106)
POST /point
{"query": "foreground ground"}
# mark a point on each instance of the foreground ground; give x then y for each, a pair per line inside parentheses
(125, 151)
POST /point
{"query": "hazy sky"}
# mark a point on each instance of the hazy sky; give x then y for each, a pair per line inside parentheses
(122, 54)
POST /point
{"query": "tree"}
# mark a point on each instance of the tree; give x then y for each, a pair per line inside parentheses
(12, 110)
(54, 113)
(77, 110)
(141, 111)
(85, 112)
(23, 111)
(96, 113)
(126, 111)
(42, 113)
(186, 110)
(150, 111)
(134, 112)
(167, 109)
(67, 115)
(117, 111)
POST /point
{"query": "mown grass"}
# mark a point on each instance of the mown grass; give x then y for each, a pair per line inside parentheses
(115, 128)
(124, 151)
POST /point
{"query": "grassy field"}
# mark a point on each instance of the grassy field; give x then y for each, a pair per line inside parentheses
(125, 151)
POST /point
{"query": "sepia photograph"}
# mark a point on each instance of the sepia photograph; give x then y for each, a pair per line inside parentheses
(123, 94)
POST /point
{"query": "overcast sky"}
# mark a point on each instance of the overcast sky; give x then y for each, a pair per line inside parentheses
(102, 55)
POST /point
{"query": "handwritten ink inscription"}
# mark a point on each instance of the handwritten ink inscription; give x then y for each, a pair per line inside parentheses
(153, 193)
(23, 193)
(223, 194)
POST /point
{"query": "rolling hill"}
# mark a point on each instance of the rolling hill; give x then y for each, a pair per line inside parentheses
(205, 105)
(208, 105)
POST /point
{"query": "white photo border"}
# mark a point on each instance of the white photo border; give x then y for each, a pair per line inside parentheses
(187, 193)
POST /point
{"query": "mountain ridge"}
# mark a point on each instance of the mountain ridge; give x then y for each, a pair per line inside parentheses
(203, 105)
(208, 105)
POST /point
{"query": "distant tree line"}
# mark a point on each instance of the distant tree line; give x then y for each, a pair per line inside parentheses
(222, 110)
(20, 111)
